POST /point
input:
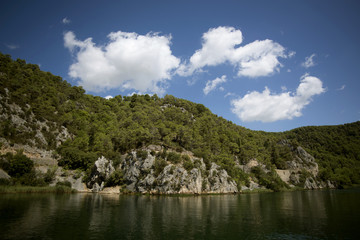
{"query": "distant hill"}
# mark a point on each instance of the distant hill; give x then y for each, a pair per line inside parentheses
(44, 112)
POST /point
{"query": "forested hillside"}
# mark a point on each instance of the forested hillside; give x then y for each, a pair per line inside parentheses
(44, 111)
(335, 148)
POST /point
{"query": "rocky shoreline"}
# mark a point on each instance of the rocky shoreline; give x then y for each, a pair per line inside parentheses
(140, 173)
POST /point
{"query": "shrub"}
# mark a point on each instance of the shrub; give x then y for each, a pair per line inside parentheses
(115, 179)
(30, 179)
(4, 182)
(269, 180)
(50, 175)
(74, 158)
(141, 154)
(172, 169)
(63, 184)
(188, 164)
(159, 165)
(174, 157)
(20, 165)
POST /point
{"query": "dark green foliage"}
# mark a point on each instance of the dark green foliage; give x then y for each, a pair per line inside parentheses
(141, 154)
(187, 163)
(115, 179)
(49, 176)
(64, 184)
(73, 158)
(269, 180)
(159, 165)
(4, 182)
(174, 157)
(279, 155)
(19, 165)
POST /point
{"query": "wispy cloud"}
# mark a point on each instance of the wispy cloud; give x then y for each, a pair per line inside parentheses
(12, 46)
(229, 94)
(66, 20)
(212, 84)
(341, 88)
(291, 54)
(309, 61)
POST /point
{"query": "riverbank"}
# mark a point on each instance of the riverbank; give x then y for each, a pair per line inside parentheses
(32, 189)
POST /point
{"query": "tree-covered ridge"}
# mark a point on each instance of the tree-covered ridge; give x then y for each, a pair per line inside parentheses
(336, 149)
(112, 127)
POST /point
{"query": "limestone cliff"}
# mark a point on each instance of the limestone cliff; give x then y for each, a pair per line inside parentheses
(140, 176)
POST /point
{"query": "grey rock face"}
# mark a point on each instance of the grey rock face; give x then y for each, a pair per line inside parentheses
(310, 183)
(100, 173)
(174, 178)
(220, 180)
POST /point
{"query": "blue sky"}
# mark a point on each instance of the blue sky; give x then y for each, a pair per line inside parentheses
(265, 65)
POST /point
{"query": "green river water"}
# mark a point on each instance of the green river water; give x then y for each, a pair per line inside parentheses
(326, 214)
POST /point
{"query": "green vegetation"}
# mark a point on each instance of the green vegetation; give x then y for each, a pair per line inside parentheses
(115, 179)
(21, 170)
(113, 127)
(35, 189)
(335, 148)
(159, 165)
(270, 180)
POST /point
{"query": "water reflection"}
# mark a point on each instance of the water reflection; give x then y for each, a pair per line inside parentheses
(296, 215)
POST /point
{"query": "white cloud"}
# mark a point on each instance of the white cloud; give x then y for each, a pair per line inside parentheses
(259, 58)
(309, 61)
(128, 61)
(66, 21)
(229, 94)
(220, 45)
(291, 54)
(341, 88)
(269, 107)
(212, 84)
(108, 97)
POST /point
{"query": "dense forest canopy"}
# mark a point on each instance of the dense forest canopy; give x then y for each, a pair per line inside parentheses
(112, 127)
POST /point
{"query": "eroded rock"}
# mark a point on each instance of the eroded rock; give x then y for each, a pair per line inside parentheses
(101, 172)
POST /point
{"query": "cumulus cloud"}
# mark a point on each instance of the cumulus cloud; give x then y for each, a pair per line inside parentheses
(269, 107)
(128, 61)
(309, 61)
(212, 84)
(108, 97)
(221, 45)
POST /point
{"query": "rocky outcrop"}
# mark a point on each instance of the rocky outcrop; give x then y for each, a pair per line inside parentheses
(140, 176)
(101, 172)
(22, 120)
(302, 170)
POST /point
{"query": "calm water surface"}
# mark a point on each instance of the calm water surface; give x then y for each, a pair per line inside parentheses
(330, 214)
